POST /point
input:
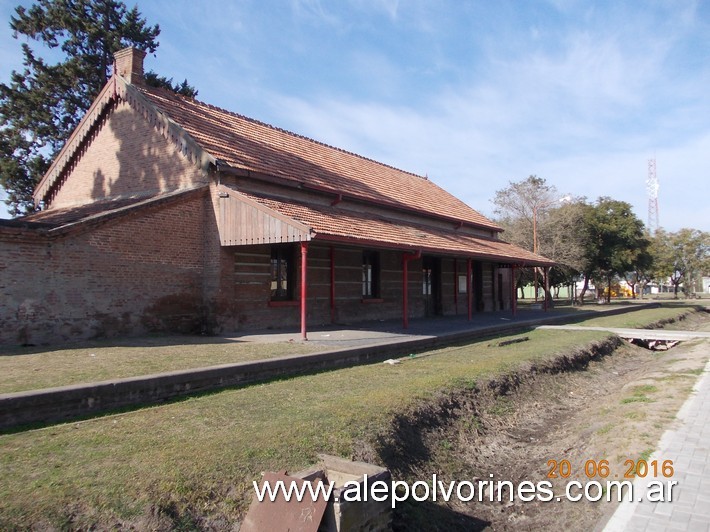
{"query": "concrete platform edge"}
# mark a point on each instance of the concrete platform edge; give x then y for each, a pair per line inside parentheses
(65, 403)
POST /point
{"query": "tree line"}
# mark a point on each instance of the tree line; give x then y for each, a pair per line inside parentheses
(44, 101)
(599, 242)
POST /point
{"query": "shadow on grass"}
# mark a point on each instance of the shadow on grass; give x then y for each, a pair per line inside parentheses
(412, 515)
(372, 358)
(151, 340)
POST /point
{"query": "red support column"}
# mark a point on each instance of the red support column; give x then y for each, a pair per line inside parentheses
(469, 289)
(304, 262)
(332, 285)
(546, 289)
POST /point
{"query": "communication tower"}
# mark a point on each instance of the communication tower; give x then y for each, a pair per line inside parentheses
(652, 189)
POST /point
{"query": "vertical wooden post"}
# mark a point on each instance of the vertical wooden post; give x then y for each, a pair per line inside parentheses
(546, 281)
(405, 291)
(332, 285)
(469, 289)
(456, 286)
(406, 257)
(513, 290)
(304, 262)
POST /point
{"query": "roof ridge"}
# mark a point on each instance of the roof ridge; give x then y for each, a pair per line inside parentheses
(279, 129)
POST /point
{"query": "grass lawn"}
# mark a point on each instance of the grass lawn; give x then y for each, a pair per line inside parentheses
(31, 368)
(200, 454)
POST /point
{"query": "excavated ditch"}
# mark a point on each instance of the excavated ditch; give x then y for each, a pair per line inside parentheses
(576, 407)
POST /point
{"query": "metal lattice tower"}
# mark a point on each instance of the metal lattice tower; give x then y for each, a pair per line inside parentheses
(652, 189)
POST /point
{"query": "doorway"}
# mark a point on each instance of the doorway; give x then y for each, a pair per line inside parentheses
(431, 286)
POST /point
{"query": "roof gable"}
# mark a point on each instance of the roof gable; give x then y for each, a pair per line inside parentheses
(210, 136)
(116, 90)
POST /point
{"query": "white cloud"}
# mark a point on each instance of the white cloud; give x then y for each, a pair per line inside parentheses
(314, 11)
(578, 116)
(472, 95)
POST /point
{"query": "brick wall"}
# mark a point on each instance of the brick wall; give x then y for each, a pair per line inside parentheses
(127, 157)
(163, 269)
(251, 296)
(140, 272)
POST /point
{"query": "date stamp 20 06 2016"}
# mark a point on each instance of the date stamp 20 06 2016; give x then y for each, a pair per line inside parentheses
(620, 480)
(601, 469)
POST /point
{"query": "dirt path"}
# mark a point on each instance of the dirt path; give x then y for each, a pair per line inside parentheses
(615, 410)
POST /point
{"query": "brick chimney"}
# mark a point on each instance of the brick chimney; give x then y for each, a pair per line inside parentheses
(128, 63)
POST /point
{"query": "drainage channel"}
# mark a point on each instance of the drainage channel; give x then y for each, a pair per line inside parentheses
(653, 339)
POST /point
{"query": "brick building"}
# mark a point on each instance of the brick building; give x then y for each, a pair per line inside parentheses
(165, 213)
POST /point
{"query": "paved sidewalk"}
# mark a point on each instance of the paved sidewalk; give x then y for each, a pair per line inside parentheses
(343, 346)
(689, 447)
(391, 332)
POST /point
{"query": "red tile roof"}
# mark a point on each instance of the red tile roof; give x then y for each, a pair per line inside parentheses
(336, 223)
(66, 216)
(250, 145)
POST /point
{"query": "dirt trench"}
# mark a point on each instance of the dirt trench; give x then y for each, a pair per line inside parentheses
(612, 401)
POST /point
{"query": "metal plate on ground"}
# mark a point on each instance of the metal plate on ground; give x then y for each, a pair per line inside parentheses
(292, 515)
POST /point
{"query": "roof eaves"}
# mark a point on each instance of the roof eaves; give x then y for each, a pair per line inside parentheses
(366, 242)
(223, 166)
(166, 126)
(101, 217)
(105, 98)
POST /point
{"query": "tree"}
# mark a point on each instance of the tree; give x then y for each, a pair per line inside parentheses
(534, 217)
(44, 102)
(519, 204)
(681, 255)
(615, 242)
(562, 234)
(642, 271)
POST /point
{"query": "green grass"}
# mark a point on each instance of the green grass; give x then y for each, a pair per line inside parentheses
(32, 368)
(606, 428)
(202, 453)
(645, 455)
(638, 394)
(90, 361)
(199, 455)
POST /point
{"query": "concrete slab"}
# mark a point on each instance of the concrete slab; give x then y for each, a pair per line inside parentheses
(343, 346)
(640, 334)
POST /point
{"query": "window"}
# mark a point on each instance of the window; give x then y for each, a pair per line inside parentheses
(282, 264)
(426, 281)
(463, 286)
(370, 274)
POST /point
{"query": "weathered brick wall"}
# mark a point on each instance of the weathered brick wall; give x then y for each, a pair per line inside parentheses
(162, 268)
(132, 274)
(127, 157)
(251, 306)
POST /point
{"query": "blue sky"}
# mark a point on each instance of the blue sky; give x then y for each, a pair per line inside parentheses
(472, 94)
